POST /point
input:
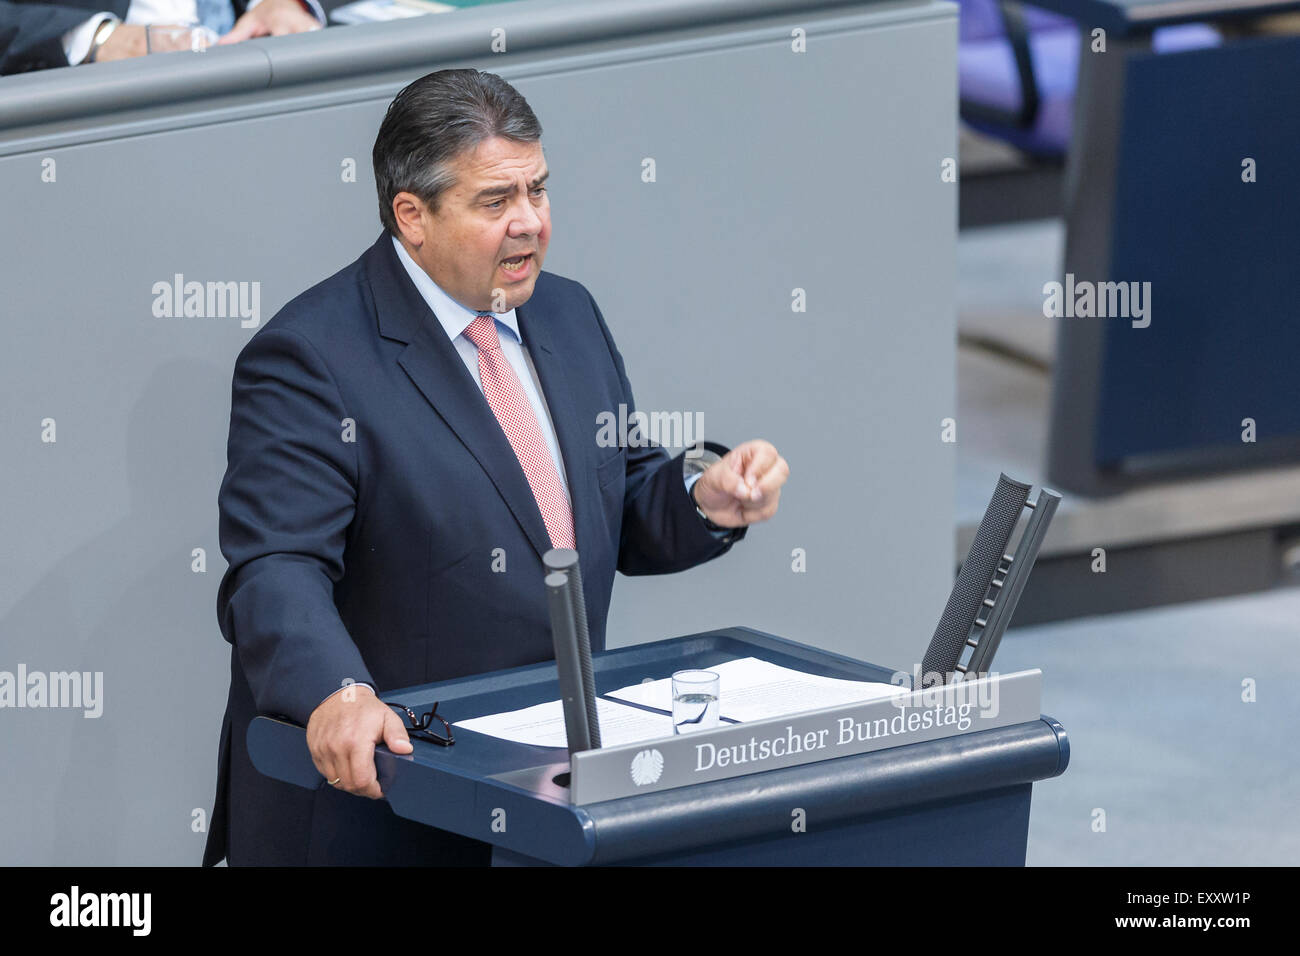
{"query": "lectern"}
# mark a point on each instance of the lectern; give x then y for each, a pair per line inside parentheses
(941, 775)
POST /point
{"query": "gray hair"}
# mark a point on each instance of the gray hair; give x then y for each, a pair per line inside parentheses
(434, 120)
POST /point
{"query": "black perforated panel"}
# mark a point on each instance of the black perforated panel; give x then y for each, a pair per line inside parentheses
(973, 582)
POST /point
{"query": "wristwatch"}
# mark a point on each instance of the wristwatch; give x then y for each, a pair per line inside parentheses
(697, 465)
(705, 518)
(102, 33)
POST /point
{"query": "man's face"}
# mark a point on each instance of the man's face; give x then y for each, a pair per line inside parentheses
(497, 210)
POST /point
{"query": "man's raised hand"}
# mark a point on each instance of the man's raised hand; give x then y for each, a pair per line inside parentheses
(744, 486)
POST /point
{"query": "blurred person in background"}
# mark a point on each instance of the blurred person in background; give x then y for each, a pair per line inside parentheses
(37, 35)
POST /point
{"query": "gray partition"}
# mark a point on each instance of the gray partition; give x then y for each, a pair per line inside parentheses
(775, 171)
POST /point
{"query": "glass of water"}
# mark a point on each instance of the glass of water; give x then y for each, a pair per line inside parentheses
(178, 37)
(695, 701)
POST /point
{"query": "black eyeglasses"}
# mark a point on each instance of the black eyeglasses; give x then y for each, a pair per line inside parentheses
(418, 727)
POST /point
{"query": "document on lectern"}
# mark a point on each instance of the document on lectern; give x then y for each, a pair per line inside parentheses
(751, 689)
(542, 725)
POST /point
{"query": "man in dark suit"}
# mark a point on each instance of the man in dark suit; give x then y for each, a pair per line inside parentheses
(407, 439)
(38, 35)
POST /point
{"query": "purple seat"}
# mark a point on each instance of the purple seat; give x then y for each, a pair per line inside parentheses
(988, 75)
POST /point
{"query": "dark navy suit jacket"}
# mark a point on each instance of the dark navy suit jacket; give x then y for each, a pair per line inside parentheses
(370, 559)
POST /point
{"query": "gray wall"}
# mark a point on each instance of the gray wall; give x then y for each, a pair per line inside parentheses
(775, 170)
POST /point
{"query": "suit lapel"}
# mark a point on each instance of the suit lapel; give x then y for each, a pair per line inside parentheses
(436, 369)
(432, 363)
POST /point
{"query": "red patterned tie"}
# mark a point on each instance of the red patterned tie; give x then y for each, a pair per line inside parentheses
(510, 405)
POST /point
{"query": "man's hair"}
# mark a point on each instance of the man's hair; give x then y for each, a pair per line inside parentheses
(434, 120)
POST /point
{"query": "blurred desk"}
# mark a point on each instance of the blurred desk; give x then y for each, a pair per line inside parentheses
(1161, 189)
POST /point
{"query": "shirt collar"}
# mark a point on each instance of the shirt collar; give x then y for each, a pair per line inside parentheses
(453, 316)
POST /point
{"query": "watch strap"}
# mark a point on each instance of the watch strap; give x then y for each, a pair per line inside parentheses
(101, 35)
(708, 524)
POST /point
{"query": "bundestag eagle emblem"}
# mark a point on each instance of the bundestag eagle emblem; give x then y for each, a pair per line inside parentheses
(646, 767)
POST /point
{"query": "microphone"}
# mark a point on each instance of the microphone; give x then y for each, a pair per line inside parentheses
(572, 643)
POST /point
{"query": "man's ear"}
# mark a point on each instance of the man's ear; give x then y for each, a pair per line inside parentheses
(409, 211)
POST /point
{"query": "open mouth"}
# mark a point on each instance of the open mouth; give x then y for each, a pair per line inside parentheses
(517, 263)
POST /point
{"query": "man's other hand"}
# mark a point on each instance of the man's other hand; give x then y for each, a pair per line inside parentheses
(272, 18)
(744, 486)
(342, 733)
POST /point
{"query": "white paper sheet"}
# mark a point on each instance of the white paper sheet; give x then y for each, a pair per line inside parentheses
(750, 689)
(542, 725)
